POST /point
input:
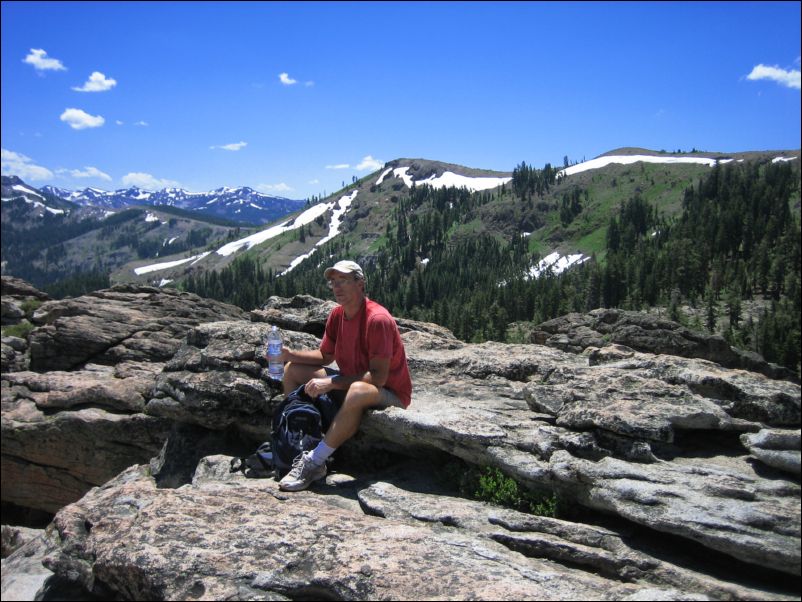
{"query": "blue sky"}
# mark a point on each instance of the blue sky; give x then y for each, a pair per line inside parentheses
(112, 94)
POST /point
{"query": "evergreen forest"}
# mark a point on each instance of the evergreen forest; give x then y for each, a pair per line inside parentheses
(736, 239)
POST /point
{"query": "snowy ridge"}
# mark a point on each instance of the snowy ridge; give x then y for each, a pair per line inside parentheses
(26, 190)
(241, 204)
(446, 180)
(630, 159)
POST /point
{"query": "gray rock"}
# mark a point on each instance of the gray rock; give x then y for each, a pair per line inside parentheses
(650, 439)
(648, 333)
(23, 573)
(118, 324)
(73, 417)
(779, 449)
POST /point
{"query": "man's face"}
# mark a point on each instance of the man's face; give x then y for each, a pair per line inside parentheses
(345, 287)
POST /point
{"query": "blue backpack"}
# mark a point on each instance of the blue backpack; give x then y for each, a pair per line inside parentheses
(299, 424)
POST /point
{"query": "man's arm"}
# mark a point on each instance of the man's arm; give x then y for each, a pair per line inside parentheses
(376, 375)
(312, 357)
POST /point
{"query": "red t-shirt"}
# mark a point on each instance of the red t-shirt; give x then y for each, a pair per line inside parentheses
(371, 333)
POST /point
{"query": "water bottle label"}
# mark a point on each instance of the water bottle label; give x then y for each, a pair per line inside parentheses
(274, 348)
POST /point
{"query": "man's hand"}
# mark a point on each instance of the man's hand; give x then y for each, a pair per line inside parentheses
(318, 386)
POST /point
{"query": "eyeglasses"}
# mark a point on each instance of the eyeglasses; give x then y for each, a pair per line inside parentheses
(336, 282)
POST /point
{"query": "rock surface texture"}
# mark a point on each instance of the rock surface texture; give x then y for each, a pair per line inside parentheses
(678, 475)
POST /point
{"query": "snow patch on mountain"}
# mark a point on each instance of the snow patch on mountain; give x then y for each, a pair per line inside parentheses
(155, 267)
(334, 229)
(630, 159)
(338, 208)
(555, 263)
(446, 180)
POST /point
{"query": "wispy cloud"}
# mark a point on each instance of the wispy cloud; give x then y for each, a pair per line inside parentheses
(16, 164)
(41, 62)
(142, 123)
(79, 120)
(231, 147)
(147, 181)
(285, 79)
(97, 82)
(274, 188)
(88, 172)
(790, 78)
(369, 164)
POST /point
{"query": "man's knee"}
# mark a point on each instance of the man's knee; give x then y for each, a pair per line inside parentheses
(362, 394)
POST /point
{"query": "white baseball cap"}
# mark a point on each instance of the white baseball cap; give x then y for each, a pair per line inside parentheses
(345, 267)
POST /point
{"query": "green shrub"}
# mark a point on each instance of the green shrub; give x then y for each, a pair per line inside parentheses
(30, 305)
(20, 330)
(491, 485)
(495, 487)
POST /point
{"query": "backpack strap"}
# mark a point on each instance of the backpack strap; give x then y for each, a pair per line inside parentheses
(237, 465)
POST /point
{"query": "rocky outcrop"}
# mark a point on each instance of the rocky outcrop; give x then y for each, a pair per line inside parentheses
(74, 393)
(645, 332)
(677, 474)
(119, 324)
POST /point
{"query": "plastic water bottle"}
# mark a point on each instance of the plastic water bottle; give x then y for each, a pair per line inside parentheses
(275, 367)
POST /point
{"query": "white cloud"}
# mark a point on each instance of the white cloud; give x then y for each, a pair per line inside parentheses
(142, 123)
(272, 188)
(79, 120)
(147, 181)
(788, 78)
(118, 122)
(370, 164)
(315, 181)
(286, 79)
(232, 147)
(41, 62)
(97, 82)
(15, 164)
(89, 172)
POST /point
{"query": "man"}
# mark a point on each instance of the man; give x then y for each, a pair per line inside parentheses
(362, 337)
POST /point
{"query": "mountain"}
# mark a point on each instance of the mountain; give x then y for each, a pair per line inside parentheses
(47, 239)
(711, 238)
(243, 204)
(486, 204)
(35, 202)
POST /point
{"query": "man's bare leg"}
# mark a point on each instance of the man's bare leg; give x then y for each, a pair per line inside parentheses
(296, 375)
(360, 396)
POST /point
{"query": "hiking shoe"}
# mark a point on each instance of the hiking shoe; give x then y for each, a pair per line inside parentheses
(304, 472)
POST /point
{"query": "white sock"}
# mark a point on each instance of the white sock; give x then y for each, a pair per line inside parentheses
(321, 453)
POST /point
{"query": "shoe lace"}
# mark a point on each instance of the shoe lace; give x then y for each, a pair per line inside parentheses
(298, 466)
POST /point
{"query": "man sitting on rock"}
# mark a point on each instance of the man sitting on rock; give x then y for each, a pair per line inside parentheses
(362, 337)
